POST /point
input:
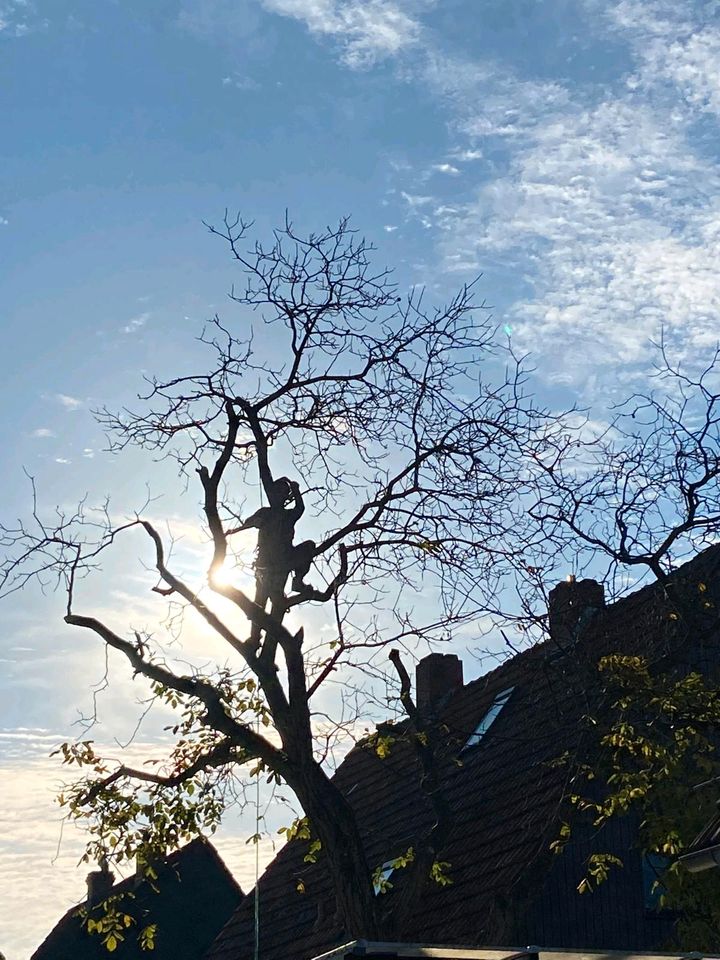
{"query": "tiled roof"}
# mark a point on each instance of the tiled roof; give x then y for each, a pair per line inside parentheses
(195, 895)
(506, 796)
(704, 852)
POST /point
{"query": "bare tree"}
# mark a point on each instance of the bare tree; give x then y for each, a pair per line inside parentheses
(635, 498)
(411, 443)
(625, 498)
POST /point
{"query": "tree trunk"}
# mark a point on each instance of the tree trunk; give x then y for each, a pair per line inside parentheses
(333, 822)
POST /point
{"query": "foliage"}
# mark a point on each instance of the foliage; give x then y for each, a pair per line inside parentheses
(439, 873)
(381, 874)
(112, 923)
(657, 739)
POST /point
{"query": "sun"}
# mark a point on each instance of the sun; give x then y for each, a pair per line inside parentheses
(222, 576)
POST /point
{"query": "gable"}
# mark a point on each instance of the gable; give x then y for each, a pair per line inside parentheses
(195, 896)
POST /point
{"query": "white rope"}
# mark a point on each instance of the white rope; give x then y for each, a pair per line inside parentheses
(256, 952)
(257, 864)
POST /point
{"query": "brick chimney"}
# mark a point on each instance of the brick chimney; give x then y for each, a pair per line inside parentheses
(99, 884)
(436, 675)
(572, 604)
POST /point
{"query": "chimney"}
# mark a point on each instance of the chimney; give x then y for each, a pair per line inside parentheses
(436, 675)
(99, 884)
(572, 605)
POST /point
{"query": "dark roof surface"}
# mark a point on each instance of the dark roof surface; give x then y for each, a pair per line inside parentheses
(704, 852)
(195, 896)
(506, 796)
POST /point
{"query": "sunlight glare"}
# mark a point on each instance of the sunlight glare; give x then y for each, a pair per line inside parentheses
(223, 576)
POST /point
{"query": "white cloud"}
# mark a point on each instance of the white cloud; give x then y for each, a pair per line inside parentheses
(610, 210)
(132, 326)
(600, 206)
(42, 432)
(3, 220)
(368, 30)
(488, 99)
(465, 156)
(62, 460)
(445, 168)
(694, 67)
(38, 853)
(18, 17)
(239, 855)
(70, 403)
(389, 228)
(28, 736)
(365, 30)
(30, 825)
(673, 48)
(414, 200)
(240, 82)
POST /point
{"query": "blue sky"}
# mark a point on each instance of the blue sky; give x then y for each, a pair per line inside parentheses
(566, 149)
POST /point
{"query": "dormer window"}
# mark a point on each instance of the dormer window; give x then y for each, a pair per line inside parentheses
(487, 721)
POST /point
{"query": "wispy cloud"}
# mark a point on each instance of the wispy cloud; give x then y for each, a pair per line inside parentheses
(602, 206)
(240, 82)
(487, 98)
(693, 65)
(132, 326)
(19, 17)
(674, 43)
(70, 403)
(609, 209)
(29, 736)
(447, 168)
(4, 221)
(466, 156)
(366, 30)
(43, 432)
(414, 200)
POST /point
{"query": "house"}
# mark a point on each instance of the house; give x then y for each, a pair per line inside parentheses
(192, 899)
(508, 730)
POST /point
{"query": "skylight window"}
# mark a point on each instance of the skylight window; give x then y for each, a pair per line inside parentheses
(386, 870)
(487, 721)
(654, 866)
